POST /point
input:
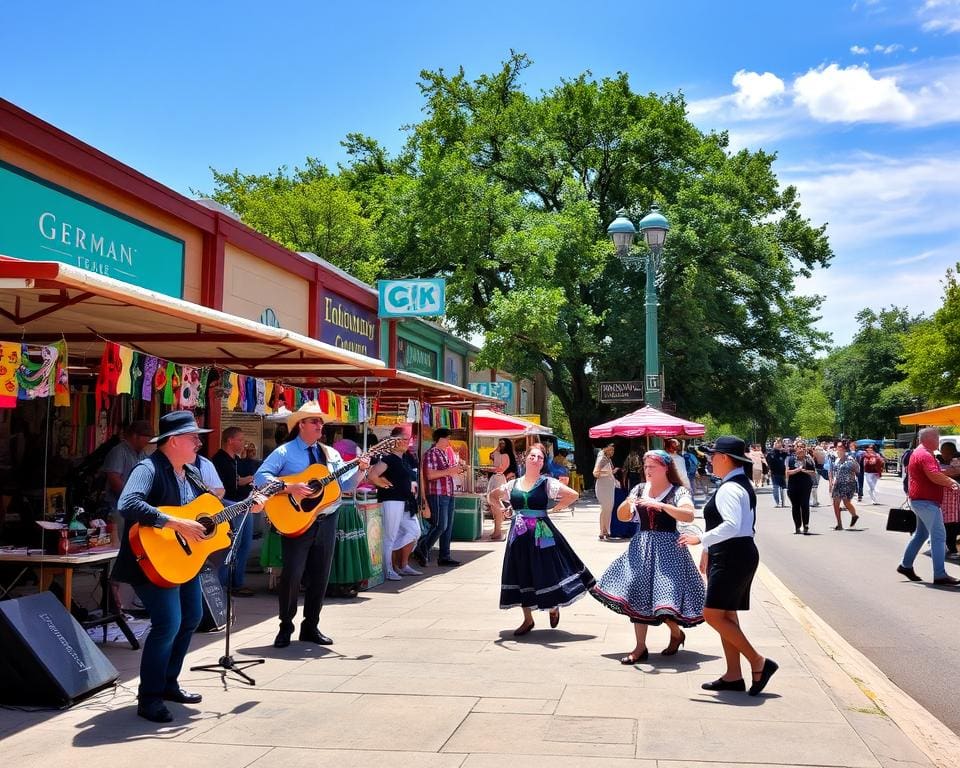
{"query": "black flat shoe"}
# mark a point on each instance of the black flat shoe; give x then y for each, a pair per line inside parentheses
(180, 696)
(155, 712)
(448, 562)
(725, 685)
(908, 572)
(853, 520)
(554, 618)
(631, 659)
(769, 667)
(282, 640)
(314, 636)
(523, 629)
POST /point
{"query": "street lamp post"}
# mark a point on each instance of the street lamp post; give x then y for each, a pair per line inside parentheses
(654, 228)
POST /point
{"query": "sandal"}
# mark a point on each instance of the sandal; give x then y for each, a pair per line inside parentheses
(630, 659)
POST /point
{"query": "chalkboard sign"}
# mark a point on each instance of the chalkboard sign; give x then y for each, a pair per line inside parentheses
(214, 601)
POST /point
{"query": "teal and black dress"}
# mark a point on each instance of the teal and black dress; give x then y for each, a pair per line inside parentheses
(540, 569)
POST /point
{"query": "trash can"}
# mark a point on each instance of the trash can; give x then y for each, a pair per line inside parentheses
(467, 517)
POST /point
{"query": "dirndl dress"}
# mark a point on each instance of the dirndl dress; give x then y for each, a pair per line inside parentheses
(540, 569)
(654, 579)
(351, 554)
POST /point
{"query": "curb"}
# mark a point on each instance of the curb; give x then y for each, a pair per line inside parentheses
(928, 734)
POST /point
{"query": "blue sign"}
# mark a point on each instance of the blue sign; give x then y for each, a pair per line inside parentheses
(502, 390)
(412, 298)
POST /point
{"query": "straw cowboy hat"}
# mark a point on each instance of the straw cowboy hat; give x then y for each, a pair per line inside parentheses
(309, 410)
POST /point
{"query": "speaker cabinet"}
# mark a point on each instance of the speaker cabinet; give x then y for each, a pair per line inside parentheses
(46, 657)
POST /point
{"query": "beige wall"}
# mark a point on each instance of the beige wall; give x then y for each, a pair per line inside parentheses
(251, 284)
(192, 238)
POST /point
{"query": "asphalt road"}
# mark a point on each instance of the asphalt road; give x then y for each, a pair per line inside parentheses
(911, 631)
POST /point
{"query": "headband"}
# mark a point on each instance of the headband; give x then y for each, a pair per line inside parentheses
(662, 456)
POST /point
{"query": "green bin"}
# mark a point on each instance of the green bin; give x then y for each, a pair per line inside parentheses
(467, 518)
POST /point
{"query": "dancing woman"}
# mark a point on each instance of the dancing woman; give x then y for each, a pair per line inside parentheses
(732, 559)
(540, 570)
(654, 581)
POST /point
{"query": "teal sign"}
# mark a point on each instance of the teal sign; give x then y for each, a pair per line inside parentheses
(43, 222)
(502, 390)
(412, 298)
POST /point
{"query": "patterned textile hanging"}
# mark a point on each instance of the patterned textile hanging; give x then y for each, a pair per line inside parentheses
(9, 363)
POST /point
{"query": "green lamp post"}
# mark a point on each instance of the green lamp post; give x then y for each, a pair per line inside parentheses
(654, 227)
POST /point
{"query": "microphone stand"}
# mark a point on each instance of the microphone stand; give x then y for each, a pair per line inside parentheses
(227, 664)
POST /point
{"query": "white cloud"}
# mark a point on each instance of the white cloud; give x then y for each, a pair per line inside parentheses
(940, 16)
(859, 50)
(852, 94)
(755, 91)
(887, 49)
(870, 200)
(914, 259)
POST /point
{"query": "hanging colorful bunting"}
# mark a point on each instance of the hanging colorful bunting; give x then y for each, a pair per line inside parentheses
(150, 366)
(9, 364)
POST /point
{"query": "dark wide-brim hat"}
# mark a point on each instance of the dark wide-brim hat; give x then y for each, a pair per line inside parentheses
(730, 446)
(178, 423)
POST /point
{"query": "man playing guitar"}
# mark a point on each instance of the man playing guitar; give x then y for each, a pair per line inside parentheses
(167, 478)
(312, 550)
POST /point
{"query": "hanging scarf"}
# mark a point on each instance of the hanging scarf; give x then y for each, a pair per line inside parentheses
(9, 364)
(124, 382)
(188, 388)
(150, 365)
(202, 388)
(36, 378)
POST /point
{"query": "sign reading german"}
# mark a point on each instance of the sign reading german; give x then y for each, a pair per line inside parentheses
(621, 391)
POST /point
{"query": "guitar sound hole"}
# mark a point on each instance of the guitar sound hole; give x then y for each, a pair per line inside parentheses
(208, 525)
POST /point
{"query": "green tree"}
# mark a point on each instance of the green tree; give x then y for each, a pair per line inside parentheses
(931, 355)
(309, 210)
(867, 375)
(507, 196)
(509, 199)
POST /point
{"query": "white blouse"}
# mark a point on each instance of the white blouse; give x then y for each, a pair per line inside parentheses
(733, 504)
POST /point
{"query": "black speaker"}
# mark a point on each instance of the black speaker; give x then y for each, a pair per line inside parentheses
(46, 657)
(214, 601)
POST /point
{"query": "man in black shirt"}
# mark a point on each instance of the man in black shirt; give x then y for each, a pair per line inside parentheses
(236, 488)
(776, 461)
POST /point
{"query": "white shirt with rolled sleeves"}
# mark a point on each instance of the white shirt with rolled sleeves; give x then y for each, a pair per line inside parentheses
(733, 504)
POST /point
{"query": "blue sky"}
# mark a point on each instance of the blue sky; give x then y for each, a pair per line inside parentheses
(860, 99)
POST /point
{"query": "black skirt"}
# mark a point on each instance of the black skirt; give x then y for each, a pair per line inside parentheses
(540, 569)
(730, 571)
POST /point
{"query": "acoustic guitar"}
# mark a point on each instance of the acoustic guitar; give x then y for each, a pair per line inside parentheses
(167, 558)
(291, 516)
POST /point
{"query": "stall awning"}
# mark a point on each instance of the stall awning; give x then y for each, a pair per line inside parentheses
(487, 423)
(44, 301)
(946, 416)
(648, 421)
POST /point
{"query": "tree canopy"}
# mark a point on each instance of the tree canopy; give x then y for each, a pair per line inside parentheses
(507, 195)
(931, 355)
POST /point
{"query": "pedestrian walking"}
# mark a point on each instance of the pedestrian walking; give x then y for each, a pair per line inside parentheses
(926, 486)
(872, 471)
(800, 471)
(756, 456)
(776, 461)
(654, 581)
(843, 485)
(730, 559)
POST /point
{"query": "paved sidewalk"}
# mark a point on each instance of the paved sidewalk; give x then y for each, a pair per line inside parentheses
(426, 673)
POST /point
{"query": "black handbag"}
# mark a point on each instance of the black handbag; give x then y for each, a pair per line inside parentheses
(901, 519)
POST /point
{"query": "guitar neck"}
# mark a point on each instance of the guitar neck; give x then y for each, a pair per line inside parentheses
(228, 513)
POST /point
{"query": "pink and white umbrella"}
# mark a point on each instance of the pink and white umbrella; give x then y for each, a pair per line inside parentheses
(648, 422)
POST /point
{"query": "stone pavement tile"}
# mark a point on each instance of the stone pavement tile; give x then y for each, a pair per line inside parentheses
(284, 757)
(518, 734)
(335, 665)
(558, 761)
(805, 703)
(294, 681)
(699, 764)
(154, 751)
(891, 746)
(516, 706)
(399, 648)
(317, 720)
(753, 742)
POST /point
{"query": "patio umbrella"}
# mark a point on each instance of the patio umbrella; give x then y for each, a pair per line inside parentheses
(648, 422)
(487, 423)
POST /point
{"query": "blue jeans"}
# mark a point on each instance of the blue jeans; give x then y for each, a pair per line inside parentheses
(175, 613)
(779, 483)
(441, 527)
(929, 523)
(240, 553)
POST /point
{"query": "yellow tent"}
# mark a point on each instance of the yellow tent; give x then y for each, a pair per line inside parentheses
(948, 415)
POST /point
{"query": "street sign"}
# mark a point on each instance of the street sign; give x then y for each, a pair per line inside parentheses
(412, 298)
(621, 391)
(653, 383)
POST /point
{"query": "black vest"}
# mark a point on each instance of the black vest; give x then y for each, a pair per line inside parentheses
(711, 515)
(165, 492)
